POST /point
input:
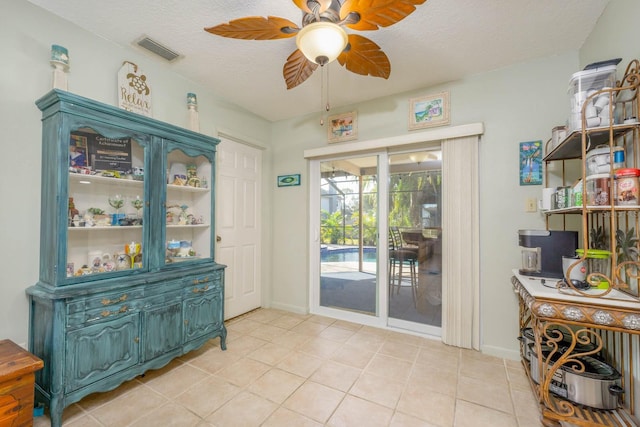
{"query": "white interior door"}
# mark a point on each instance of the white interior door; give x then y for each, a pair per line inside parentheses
(238, 224)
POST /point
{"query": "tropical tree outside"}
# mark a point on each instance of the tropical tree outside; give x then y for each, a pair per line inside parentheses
(408, 194)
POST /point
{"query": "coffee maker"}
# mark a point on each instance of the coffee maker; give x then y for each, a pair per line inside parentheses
(542, 251)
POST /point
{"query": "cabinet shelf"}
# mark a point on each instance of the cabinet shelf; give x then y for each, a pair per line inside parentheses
(98, 179)
(591, 209)
(104, 228)
(614, 418)
(188, 226)
(571, 146)
(187, 188)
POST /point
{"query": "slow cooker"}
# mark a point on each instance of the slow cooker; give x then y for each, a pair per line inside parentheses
(528, 343)
(598, 386)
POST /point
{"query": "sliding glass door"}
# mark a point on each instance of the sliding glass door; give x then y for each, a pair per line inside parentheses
(377, 239)
(349, 235)
(415, 240)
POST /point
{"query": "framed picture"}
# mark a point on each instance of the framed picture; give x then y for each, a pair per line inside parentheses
(78, 151)
(428, 111)
(288, 180)
(531, 163)
(343, 127)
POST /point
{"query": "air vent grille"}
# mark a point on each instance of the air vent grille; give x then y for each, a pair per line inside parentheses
(156, 48)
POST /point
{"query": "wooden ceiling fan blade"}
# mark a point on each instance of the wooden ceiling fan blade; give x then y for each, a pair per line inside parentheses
(363, 56)
(297, 69)
(304, 5)
(256, 28)
(374, 14)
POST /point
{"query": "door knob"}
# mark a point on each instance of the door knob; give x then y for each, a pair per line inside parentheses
(218, 239)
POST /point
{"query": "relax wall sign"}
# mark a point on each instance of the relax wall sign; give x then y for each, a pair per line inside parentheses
(134, 91)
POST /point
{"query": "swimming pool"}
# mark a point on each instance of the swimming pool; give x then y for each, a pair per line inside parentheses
(346, 254)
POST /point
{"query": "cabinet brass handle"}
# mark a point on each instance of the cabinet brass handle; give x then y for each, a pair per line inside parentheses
(218, 239)
(197, 282)
(122, 298)
(199, 290)
(108, 313)
(136, 340)
(186, 322)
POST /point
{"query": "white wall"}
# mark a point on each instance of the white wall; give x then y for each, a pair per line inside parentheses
(27, 33)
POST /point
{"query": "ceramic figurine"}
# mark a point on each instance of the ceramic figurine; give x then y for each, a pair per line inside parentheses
(60, 63)
(192, 105)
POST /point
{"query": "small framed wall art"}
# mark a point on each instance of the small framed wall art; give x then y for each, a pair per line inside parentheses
(343, 127)
(288, 180)
(531, 163)
(428, 111)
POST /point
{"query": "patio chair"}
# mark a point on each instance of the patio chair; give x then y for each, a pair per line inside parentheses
(398, 258)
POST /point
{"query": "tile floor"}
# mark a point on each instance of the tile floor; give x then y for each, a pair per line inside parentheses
(284, 369)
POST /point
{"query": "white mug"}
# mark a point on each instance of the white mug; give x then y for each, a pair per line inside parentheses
(593, 122)
(602, 101)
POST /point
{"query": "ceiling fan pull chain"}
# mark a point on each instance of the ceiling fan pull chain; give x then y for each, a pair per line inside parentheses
(327, 105)
(322, 99)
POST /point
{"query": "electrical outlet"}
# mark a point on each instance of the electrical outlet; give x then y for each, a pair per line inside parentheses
(530, 205)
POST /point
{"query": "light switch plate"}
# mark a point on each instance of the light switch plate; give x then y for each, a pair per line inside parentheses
(530, 205)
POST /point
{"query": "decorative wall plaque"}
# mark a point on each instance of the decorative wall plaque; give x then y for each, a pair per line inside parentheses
(134, 90)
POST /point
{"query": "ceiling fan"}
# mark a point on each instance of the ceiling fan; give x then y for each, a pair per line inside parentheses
(322, 23)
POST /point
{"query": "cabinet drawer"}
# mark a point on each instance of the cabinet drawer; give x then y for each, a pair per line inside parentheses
(102, 314)
(162, 299)
(203, 283)
(106, 300)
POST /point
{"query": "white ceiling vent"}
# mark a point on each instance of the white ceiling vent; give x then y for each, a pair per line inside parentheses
(156, 48)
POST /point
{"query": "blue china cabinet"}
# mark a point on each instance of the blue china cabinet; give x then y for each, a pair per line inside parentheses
(128, 279)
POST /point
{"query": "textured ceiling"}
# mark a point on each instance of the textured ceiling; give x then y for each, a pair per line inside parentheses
(443, 40)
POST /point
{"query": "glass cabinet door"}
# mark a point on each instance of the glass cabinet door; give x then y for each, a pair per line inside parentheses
(106, 206)
(188, 207)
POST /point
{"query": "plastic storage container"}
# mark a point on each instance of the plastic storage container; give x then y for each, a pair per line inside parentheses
(582, 85)
(599, 160)
(598, 189)
(627, 185)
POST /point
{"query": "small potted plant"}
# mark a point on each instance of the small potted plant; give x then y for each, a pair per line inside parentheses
(627, 253)
(99, 217)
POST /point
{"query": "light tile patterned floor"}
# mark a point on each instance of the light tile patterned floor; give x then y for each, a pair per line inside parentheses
(284, 369)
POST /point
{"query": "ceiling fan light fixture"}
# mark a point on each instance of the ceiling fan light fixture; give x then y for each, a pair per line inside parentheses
(321, 42)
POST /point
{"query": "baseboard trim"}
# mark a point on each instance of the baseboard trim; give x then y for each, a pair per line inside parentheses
(288, 307)
(503, 353)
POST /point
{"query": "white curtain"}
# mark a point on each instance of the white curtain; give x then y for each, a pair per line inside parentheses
(460, 243)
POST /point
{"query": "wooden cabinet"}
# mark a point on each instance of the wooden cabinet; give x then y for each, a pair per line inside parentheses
(128, 279)
(17, 367)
